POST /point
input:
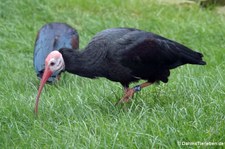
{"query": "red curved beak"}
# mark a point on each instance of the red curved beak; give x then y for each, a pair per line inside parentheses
(46, 75)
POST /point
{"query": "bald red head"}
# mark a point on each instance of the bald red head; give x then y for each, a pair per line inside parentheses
(53, 63)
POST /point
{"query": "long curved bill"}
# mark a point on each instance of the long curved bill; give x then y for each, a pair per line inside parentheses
(46, 75)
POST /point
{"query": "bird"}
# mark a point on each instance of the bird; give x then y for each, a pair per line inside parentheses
(123, 55)
(53, 36)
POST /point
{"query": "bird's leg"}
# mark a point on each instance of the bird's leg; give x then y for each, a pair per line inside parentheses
(58, 77)
(129, 92)
(125, 92)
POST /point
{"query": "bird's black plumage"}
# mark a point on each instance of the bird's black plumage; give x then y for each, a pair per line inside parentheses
(126, 55)
(53, 36)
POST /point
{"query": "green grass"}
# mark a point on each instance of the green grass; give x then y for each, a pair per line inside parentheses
(80, 113)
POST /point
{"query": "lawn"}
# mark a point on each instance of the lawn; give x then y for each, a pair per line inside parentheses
(78, 112)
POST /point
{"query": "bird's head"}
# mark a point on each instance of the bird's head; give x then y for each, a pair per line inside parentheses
(54, 63)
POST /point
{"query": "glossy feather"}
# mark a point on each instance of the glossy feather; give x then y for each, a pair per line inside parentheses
(126, 55)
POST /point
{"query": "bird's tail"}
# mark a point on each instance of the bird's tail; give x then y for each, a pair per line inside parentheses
(193, 57)
(189, 56)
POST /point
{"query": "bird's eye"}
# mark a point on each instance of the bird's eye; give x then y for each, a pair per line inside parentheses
(52, 63)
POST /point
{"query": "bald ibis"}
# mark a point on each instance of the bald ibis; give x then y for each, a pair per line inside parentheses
(122, 55)
(50, 37)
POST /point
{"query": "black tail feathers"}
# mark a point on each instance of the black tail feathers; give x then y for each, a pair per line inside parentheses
(193, 57)
(199, 59)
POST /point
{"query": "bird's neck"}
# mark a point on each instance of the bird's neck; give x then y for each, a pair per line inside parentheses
(82, 63)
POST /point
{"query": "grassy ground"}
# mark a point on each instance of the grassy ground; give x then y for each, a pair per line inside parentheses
(79, 112)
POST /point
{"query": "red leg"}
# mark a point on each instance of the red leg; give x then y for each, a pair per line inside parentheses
(58, 77)
(129, 92)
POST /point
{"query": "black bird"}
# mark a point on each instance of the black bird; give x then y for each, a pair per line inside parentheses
(53, 36)
(123, 55)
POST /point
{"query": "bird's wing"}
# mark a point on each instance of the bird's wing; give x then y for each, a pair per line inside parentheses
(43, 46)
(150, 50)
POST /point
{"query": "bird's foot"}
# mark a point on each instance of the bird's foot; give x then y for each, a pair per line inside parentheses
(129, 93)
